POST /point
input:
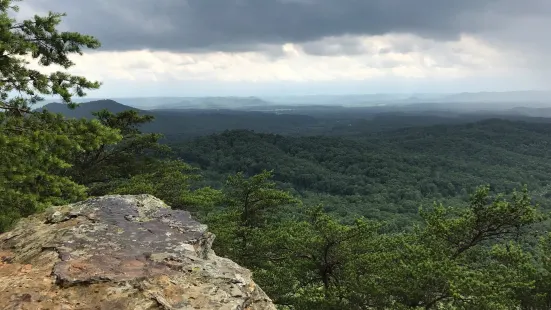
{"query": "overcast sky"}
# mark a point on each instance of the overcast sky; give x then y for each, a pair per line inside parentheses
(276, 47)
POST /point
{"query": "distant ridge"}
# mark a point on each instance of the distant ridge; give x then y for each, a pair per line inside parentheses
(213, 103)
(203, 116)
(502, 97)
(84, 110)
(508, 99)
(193, 122)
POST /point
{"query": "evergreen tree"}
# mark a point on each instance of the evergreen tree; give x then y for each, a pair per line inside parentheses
(104, 168)
(248, 206)
(37, 147)
(38, 39)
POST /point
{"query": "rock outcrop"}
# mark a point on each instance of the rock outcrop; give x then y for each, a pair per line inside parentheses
(119, 252)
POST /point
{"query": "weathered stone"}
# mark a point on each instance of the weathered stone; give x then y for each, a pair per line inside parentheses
(119, 252)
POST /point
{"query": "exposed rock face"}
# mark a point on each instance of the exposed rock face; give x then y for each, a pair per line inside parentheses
(119, 252)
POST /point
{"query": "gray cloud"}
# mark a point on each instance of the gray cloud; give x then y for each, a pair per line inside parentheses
(524, 29)
(195, 25)
(336, 46)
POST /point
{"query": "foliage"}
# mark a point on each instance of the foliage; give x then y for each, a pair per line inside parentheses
(39, 39)
(36, 148)
(389, 174)
(36, 151)
(48, 159)
(173, 182)
(469, 257)
(101, 168)
(311, 260)
(475, 257)
(248, 204)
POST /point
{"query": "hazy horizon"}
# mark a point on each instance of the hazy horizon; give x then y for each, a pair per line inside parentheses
(493, 100)
(321, 94)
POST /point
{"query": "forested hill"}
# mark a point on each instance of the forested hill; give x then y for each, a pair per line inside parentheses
(186, 123)
(85, 110)
(391, 172)
(289, 120)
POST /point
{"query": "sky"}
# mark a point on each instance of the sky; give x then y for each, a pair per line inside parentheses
(304, 47)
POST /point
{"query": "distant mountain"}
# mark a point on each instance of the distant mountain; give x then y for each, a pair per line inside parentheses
(205, 118)
(214, 103)
(337, 100)
(460, 101)
(142, 103)
(85, 109)
(501, 97)
(148, 103)
(195, 122)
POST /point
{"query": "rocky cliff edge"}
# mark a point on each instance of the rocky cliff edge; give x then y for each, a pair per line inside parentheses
(119, 252)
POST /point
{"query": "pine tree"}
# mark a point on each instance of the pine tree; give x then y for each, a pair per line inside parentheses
(36, 147)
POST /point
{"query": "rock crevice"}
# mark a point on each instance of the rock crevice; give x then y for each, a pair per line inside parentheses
(119, 252)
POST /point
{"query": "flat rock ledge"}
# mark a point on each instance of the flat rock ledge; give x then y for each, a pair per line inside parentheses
(119, 252)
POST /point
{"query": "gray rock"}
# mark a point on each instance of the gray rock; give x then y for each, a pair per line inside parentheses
(119, 252)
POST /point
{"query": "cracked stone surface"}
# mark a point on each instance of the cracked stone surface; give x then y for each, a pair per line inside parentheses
(119, 252)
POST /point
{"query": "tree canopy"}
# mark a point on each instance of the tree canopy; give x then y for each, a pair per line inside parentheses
(36, 148)
(38, 39)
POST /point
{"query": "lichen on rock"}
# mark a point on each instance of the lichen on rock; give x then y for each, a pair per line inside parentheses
(119, 252)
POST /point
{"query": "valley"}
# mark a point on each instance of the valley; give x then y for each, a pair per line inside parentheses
(360, 161)
(382, 206)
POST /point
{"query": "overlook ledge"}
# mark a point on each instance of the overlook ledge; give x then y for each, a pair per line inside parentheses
(119, 252)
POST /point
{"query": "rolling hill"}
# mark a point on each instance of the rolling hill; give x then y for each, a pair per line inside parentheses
(85, 109)
(196, 122)
(389, 172)
(299, 120)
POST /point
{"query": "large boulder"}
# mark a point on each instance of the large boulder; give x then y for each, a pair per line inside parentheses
(119, 252)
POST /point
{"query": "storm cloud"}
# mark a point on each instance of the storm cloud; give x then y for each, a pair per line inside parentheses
(245, 25)
(389, 44)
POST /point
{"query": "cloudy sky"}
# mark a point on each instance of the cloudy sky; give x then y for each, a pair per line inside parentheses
(275, 47)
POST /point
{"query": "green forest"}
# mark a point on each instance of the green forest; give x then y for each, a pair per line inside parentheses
(385, 174)
(426, 216)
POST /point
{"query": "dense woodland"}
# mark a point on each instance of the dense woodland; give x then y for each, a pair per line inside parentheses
(446, 215)
(387, 173)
